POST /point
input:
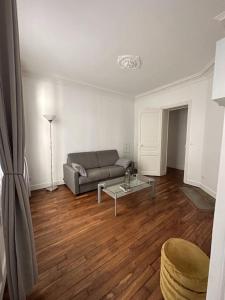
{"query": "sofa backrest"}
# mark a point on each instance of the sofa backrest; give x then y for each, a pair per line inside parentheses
(107, 157)
(90, 160)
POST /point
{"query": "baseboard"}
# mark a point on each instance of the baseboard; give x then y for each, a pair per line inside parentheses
(40, 186)
(192, 182)
(152, 173)
(202, 186)
(208, 191)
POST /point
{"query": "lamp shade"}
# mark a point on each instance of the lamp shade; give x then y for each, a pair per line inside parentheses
(50, 118)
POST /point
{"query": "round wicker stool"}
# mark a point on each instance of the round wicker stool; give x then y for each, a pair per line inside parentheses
(184, 271)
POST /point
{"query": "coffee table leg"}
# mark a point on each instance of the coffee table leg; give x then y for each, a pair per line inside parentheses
(100, 186)
(115, 200)
(153, 189)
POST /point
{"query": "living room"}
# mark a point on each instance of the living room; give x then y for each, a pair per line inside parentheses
(89, 119)
(101, 199)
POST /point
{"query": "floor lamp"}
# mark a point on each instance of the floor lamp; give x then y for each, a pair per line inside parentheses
(51, 118)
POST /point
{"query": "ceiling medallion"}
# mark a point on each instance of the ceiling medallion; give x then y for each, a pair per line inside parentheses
(129, 62)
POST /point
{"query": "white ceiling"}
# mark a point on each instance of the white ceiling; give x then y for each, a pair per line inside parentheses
(81, 39)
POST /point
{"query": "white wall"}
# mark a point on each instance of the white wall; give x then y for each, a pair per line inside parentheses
(177, 138)
(218, 92)
(87, 119)
(206, 122)
(212, 144)
(216, 280)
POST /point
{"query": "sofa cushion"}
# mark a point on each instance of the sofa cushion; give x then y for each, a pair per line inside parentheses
(107, 157)
(80, 169)
(86, 159)
(123, 162)
(116, 171)
(95, 174)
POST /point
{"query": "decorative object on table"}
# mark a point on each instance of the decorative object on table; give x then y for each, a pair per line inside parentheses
(134, 169)
(50, 119)
(127, 177)
(184, 270)
(125, 187)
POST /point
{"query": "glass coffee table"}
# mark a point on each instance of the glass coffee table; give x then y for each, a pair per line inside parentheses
(113, 188)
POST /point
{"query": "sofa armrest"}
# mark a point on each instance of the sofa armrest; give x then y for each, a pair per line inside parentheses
(71, 178)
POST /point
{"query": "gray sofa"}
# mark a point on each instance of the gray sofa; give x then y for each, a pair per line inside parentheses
(99, 165)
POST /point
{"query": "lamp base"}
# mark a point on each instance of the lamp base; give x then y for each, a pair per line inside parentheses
(52, 188)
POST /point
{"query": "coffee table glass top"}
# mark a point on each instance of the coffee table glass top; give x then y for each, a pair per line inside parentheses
(137, 182)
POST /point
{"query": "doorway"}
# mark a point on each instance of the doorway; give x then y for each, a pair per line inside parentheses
(177, 136)
(158, 145)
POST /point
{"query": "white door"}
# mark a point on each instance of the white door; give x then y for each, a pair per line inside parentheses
(150, 140)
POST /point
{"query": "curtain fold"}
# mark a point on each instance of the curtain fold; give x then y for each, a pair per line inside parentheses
(17, 223)
(27, 176)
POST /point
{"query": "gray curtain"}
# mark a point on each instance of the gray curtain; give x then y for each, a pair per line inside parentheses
(26, 176)
(17, 223)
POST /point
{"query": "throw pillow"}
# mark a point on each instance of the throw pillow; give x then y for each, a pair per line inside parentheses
(123, 162)
(80, 169)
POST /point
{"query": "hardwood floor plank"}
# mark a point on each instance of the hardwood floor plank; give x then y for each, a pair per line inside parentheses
(84, 252)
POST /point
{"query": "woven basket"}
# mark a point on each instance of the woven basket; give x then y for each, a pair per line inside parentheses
(184, 270)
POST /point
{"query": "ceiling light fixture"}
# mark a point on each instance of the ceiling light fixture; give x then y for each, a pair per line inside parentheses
(129, 62)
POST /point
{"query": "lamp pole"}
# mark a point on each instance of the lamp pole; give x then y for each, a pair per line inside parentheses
(50, 125)
(50, 118)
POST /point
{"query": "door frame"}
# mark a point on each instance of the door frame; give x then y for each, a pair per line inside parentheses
(187, 103)
(175, 105)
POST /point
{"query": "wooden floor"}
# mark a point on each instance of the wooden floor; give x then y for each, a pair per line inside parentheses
(84, 252)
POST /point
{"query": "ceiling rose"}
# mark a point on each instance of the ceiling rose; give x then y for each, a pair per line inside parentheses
(129, 62)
